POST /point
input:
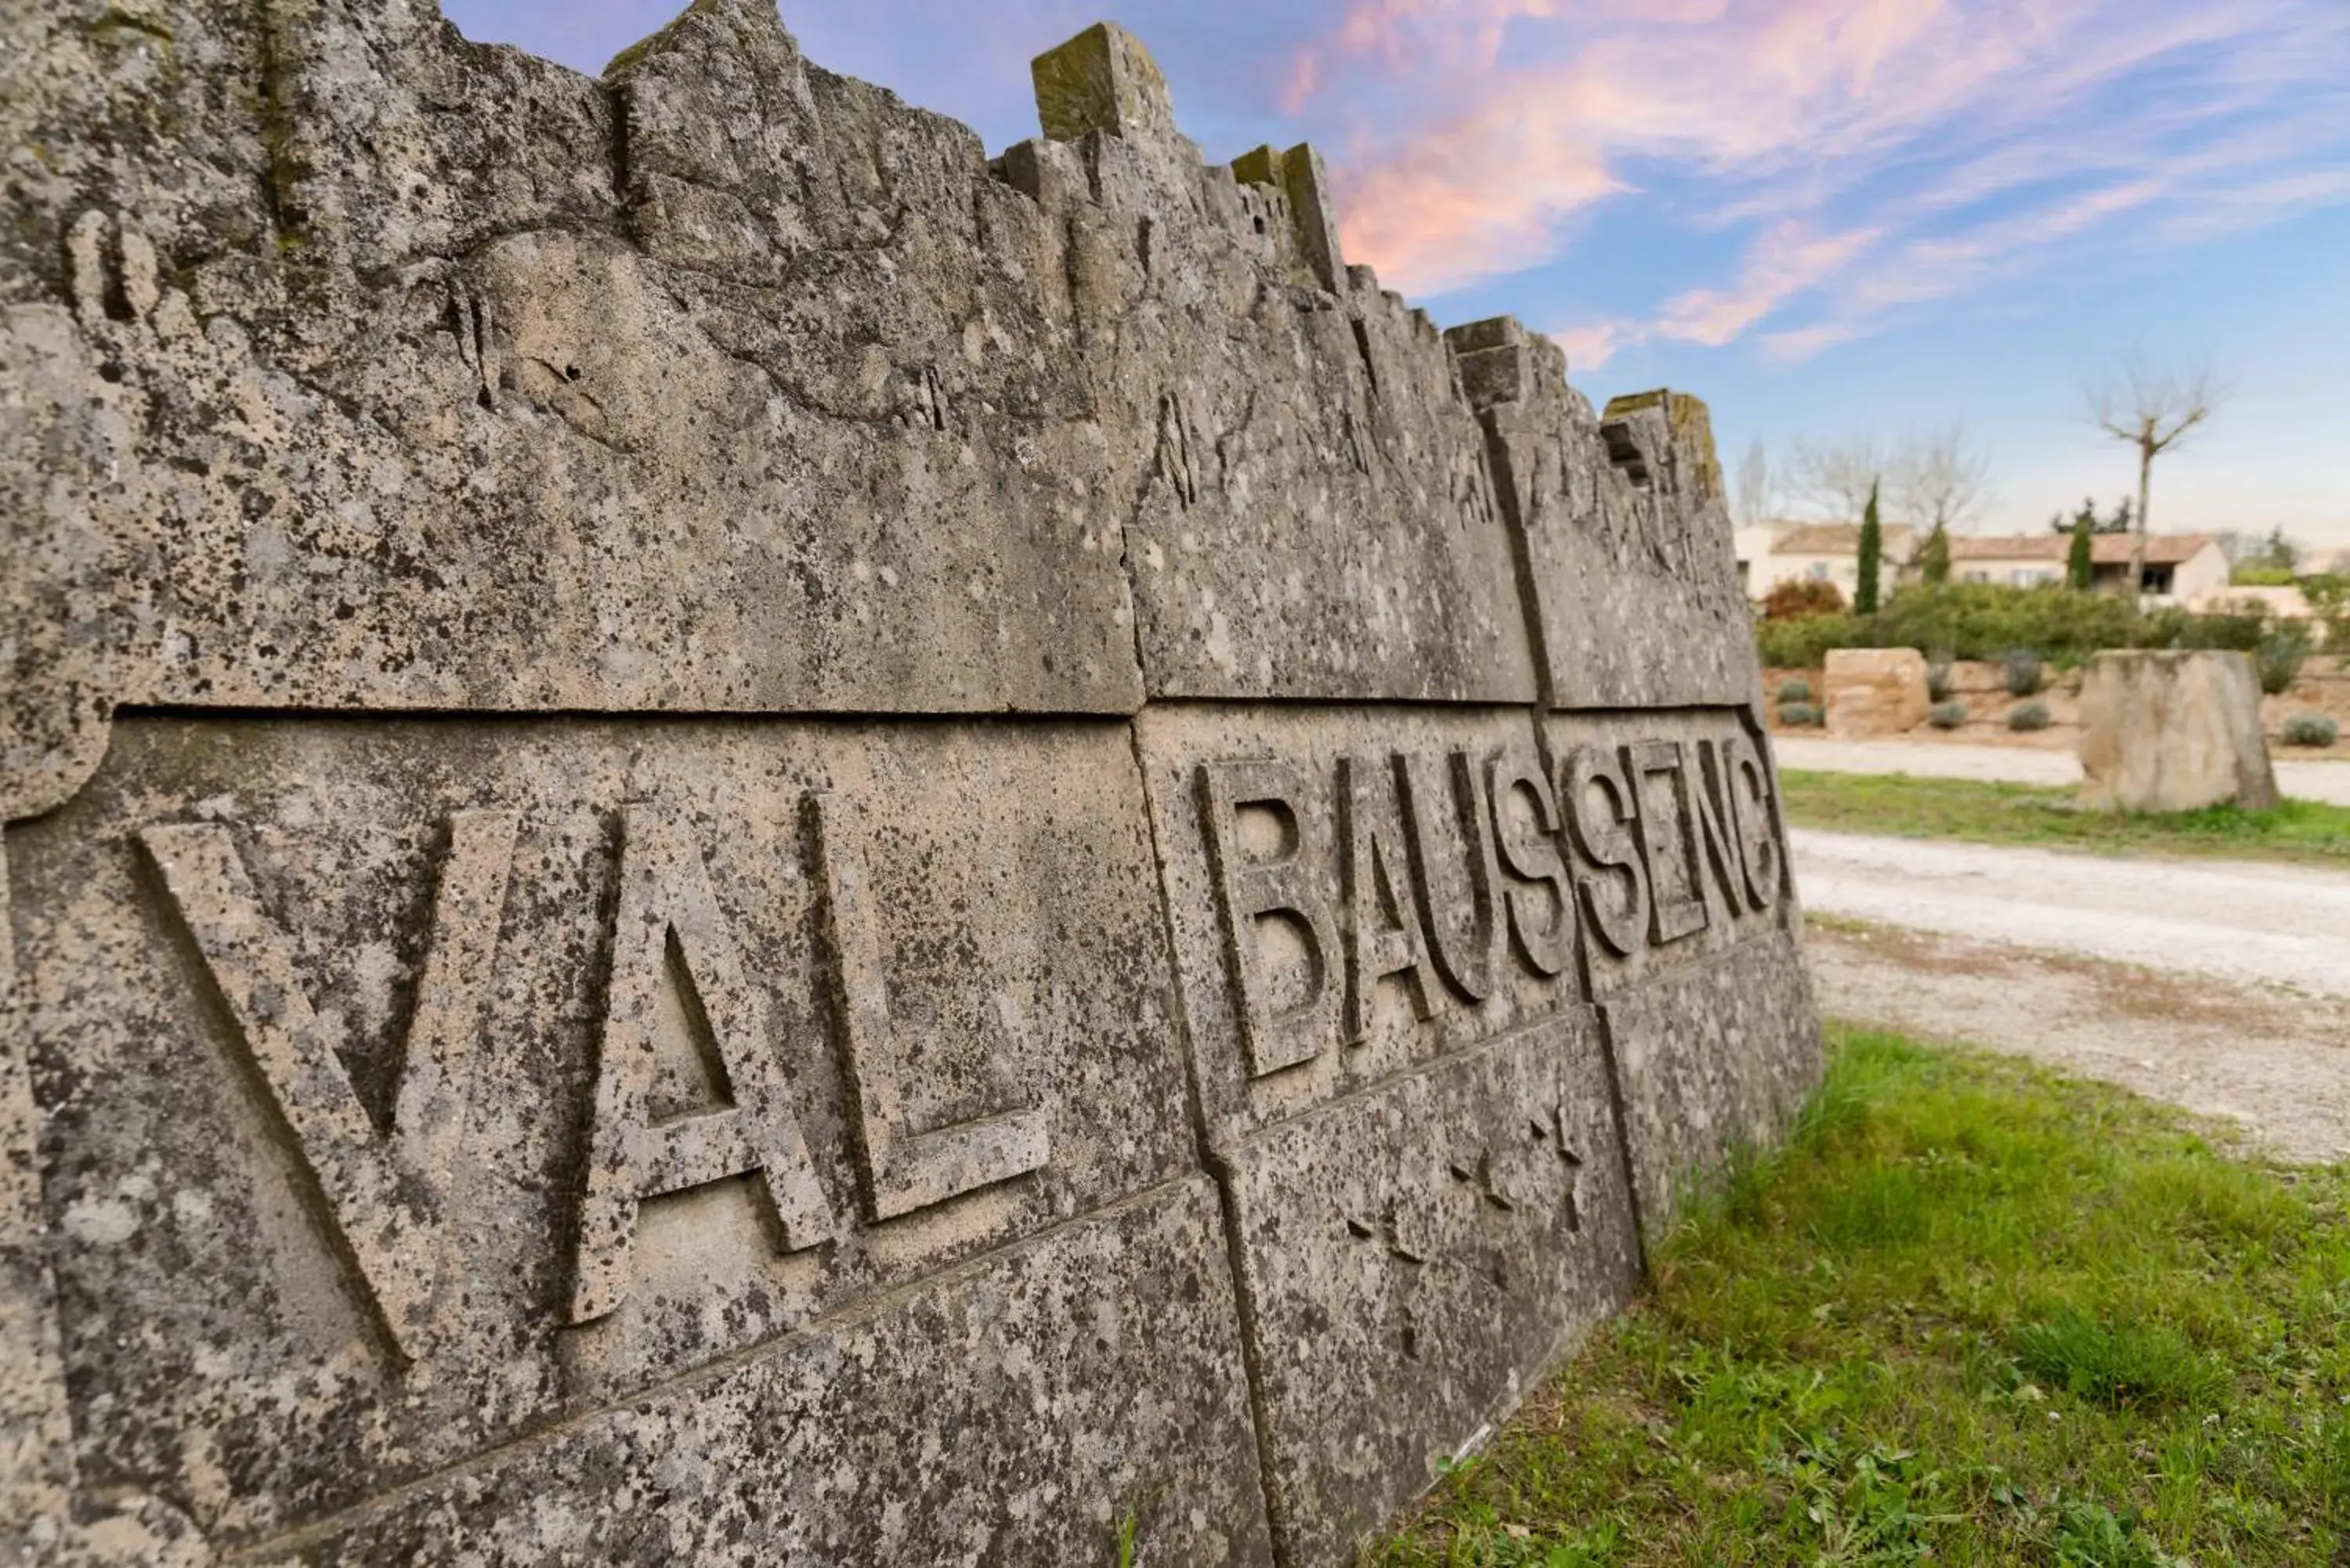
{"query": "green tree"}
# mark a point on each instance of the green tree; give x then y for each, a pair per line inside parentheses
(1934, 560)
(2080, 562)
(1872, 558)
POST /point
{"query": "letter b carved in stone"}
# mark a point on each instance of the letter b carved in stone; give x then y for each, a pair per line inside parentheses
(1270, 901)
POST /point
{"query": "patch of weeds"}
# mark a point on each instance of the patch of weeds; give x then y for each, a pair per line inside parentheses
(2025, 813)
(2116, 1365)
(1969, 1314)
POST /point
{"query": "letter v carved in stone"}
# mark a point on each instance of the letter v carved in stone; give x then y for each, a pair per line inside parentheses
(383, 1193)
(903, 1169)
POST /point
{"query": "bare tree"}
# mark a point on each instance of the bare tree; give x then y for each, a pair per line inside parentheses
(1757, 486)
(1835, 477)
(1939, 479)
(2153, 408)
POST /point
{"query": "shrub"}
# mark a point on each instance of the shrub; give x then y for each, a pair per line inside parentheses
(2278, 658)
(2175, 627)
(2310, 730)
(2028, 716)
(1801, 597)
(1796, 716)
(2025, 673)
(1805, 642)
(1947, 716)
(1794, 692)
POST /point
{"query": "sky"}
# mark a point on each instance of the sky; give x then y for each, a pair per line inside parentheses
(1831, 218)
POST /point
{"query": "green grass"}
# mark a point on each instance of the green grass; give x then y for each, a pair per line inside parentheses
(2028, 814)
(1973, 1313)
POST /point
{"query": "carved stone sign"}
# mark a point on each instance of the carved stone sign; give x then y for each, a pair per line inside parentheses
(728, 835)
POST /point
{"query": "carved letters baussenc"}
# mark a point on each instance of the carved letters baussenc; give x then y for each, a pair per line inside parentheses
(1276, 889)
(383, 1194)
(1652, 822)
(1383, 929)
(1603, 839)
(1668, 846)
(902, 1171)
(671, 940)
(1441, 863)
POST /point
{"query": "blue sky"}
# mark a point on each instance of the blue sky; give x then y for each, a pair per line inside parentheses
(1829, 218)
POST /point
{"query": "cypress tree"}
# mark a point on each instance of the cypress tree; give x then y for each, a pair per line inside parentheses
(1934, 560)
(2080, 563)
(1872, 558)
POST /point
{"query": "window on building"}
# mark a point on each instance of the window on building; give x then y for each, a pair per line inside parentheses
(1975, 578)
(1819, 572)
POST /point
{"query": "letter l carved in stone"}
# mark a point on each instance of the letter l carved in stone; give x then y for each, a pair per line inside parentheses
(382, 1194)
(903, 1170)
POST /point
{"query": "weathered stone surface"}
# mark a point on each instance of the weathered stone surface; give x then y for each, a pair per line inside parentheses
(1632, 577)
(366, 1052)
(1674, 838)
(1414, 1258)
(1021, 1410)
(1712, 1061)
(1345, 899)
(1307, 513)
(385, 378)
(1394, 1069)
(1874, 691)
(489, 1072)
(2173, 731)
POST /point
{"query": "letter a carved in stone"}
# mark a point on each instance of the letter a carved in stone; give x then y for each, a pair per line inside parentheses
(383, 1194)
(1383, 929)
(903, 1169)
(670, 932)
(1255, 891)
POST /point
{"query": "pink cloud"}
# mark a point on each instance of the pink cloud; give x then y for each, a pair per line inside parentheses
(1858, 134)
(1786, 261)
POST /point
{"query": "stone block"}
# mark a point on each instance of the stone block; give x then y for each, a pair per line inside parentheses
(2173, 731)
(1416, 1257)
(1310, 516)
(1398, 1075)
(1712, 1062)
(1631, 576)
(434, 399)
(1018, 1410)
(1101, 80)
(407, 1087)
(1874, 691)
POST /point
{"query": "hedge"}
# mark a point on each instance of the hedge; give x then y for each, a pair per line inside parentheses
(1988, 620)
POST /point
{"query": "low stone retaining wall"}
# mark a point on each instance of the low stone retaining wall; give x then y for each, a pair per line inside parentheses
(734, 837)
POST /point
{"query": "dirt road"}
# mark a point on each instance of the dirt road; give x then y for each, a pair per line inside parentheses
(2274, 1064)
(2227, 920)
(2327, 781)
(2220, 986)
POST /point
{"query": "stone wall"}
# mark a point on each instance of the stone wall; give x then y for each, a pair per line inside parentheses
(734, 837)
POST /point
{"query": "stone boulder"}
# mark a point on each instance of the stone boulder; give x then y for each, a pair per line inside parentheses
(1876, 691)
(2173, 731)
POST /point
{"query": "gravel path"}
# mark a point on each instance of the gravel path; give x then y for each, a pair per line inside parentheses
(2327, 781)
(2274, 1064)
(2266, 924)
